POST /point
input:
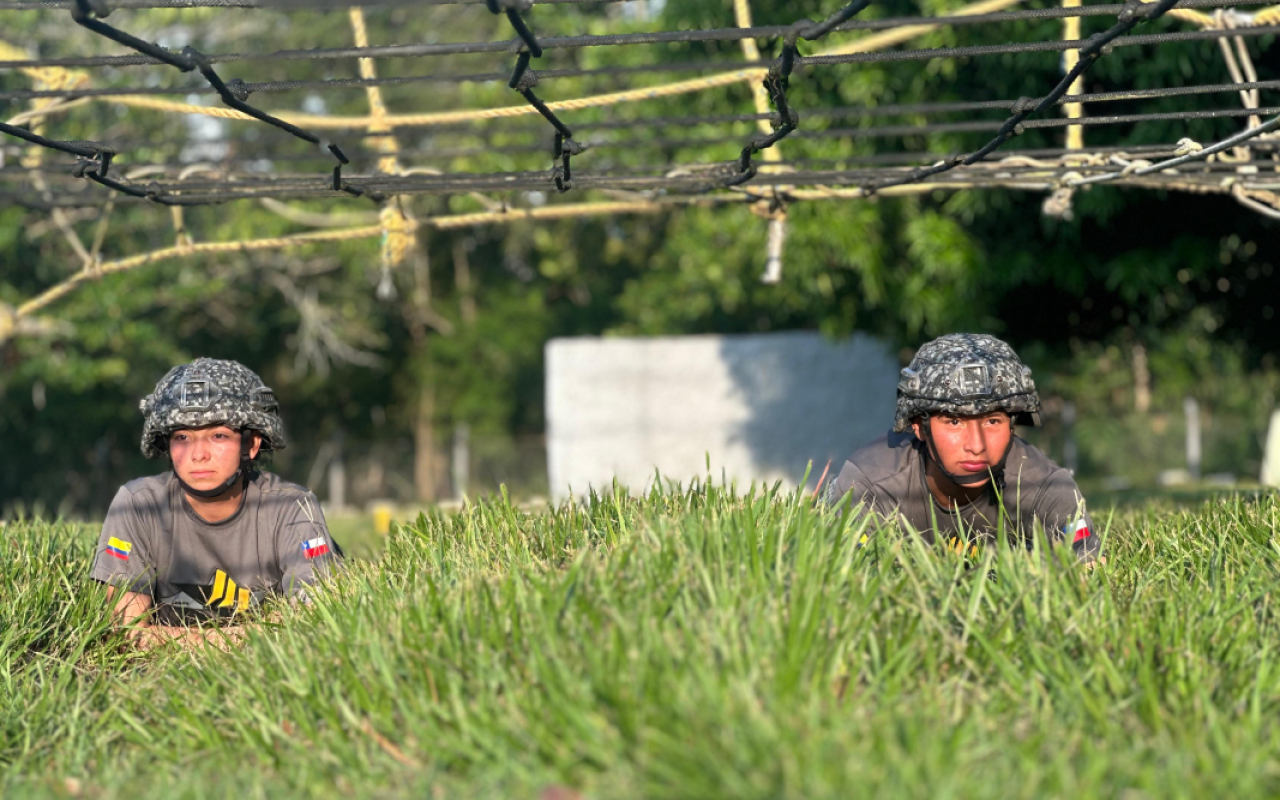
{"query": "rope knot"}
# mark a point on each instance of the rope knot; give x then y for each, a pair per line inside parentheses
(196, 59)
(99, 165)
(1058, 204)
(1135, 165)
(800, 29)
(94, 8)
(527, 80)
(239, 89)
(1024, 105)
(397, 238)
(1187, 146)
(777, 122)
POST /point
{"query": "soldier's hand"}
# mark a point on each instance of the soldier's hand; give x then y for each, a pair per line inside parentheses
(226, 637)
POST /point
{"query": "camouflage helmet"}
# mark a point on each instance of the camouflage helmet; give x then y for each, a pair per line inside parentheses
(210, 392)
(966, 374)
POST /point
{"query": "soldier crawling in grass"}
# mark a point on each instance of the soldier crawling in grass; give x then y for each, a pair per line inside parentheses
(952, 464)
(189, 555)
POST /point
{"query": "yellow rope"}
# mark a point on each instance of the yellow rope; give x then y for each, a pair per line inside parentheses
(865, 44)
(880, 41)
(1267, 16)
(52, 78)
(379, 121)
(1187, 15)
(64, 288)
(1071, 32)
(386, 145)
(397, 230)
(742, 16)
(548, 212)
(1031, 182)
(122, 265)
(759, 94)
(397, 235)
(451, 117)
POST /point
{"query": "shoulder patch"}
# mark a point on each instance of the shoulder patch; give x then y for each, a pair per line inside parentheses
(119, 548)
(1078, 530)
(312, 548)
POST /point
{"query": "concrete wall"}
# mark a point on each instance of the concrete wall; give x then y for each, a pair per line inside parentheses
(762, 406)
(1271, 455)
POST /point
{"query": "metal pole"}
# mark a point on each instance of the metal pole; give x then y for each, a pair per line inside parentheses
(1070, 453)
(777, 241)
(461, 459)
(1071, 31)
(1191, 408)
(337, 475)
(1271, 455)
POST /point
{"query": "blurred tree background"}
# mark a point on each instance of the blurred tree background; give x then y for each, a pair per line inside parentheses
(1141, 300)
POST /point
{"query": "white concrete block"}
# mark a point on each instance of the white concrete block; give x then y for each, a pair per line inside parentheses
(761, 406)
(1271, 455)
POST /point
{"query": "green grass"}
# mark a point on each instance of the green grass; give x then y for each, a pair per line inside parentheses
(356, 534)
(688, 645)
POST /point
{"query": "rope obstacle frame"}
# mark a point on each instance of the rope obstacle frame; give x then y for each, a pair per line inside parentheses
(1244, 165)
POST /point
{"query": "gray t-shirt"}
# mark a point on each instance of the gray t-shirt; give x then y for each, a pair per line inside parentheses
(888, 477)
(154, 543)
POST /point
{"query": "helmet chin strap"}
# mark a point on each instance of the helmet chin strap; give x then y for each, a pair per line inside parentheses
(242, 473)
(995, 473)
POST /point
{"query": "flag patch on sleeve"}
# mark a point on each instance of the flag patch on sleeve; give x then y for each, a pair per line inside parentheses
(119, 548)
(1079, 530)
(315, 547)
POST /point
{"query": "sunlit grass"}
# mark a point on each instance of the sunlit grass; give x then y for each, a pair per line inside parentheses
(690, 644)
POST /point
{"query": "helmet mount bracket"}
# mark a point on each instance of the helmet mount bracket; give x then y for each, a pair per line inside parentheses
(966, 374)
(210, 392)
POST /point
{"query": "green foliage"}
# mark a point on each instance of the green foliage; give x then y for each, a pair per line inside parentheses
(1168, 271)
(59, 660)
(1117, 439)
(693, 643)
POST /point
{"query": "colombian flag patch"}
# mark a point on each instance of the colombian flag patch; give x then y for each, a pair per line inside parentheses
(119, 548)
(315, 547)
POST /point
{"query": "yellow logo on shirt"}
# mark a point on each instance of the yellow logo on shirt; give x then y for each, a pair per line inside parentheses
(226, 594)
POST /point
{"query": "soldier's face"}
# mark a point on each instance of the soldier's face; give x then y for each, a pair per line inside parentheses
(206, 458)
(969, 445)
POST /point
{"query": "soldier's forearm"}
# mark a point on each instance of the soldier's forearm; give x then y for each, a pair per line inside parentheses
(147, 636)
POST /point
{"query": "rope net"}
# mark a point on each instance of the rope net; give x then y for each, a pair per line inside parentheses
(597, 122)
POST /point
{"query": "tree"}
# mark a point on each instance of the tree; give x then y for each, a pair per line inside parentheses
(452, 335)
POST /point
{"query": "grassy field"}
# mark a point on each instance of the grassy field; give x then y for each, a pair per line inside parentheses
(689, 645)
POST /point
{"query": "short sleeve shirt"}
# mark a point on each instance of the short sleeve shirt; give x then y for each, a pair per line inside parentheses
(1039, 498)
(154, 543)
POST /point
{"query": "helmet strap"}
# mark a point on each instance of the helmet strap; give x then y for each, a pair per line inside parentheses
(994, 474)
(241, 474)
